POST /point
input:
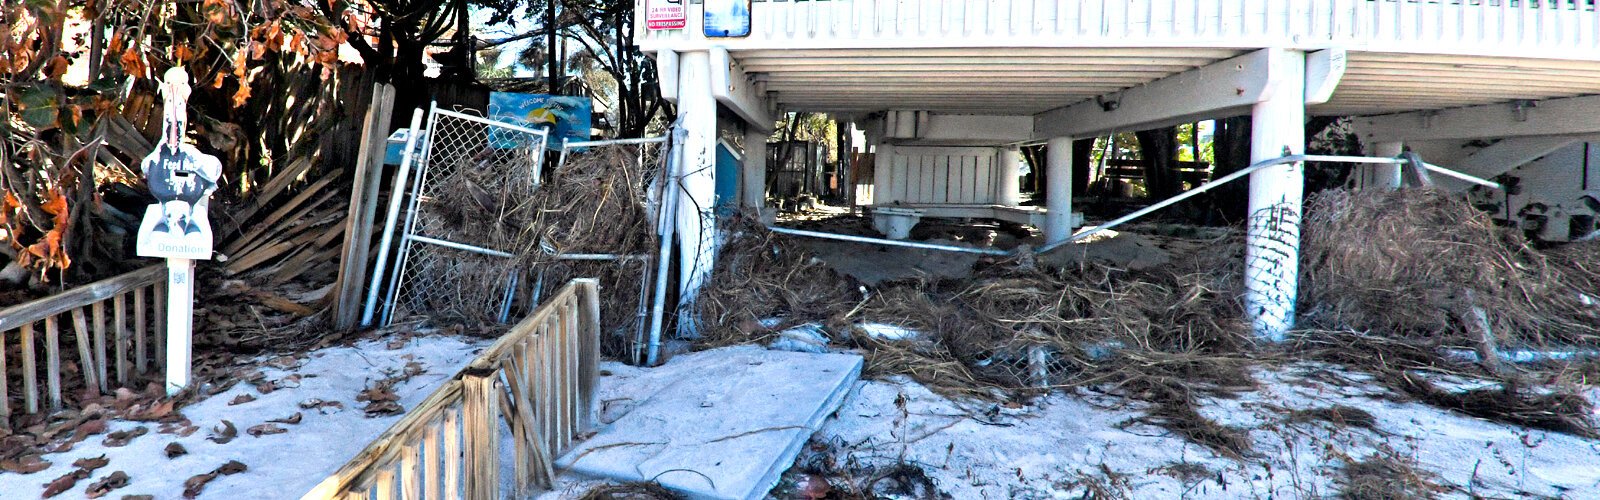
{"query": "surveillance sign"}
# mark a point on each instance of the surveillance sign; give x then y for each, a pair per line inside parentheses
(181, 178)
(665, 15)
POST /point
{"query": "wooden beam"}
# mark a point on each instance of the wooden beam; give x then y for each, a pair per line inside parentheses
(732, 87)
(30, 312)
(1224, 88)
(1564, 116)
(348, 287)
(1324, 70)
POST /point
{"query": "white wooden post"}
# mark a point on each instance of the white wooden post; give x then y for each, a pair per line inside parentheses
(697, 223)
(1272, 239)
(1008, 184)
(1058, 190)
(180, 307)
(755, 170)
(1386, 177)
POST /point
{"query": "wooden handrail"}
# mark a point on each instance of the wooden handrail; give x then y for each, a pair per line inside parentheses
(31, 312)
(559, 341)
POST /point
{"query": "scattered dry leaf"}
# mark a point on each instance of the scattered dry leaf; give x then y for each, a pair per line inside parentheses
(138, 497)
(121, 438)
(231, 468)
(64, 483)
(291, 420)
(241, 399)
(224, 434)
(194, 485)
(91, 464)
(27, 464)
(174, 450)
(265, 429)
(100, 488)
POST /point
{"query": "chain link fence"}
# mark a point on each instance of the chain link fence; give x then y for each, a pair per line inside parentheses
(456, 253)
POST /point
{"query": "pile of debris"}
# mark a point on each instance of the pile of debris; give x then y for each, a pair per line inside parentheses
(1378, 270)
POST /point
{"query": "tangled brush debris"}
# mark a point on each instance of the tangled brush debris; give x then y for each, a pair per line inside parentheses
(1170, 336)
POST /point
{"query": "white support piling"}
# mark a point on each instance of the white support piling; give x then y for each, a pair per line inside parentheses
(755, 170)
(1386, 177)
(1058, 190)
(1008, 184)
(180, 307)
(696, 175)
(1272, 240)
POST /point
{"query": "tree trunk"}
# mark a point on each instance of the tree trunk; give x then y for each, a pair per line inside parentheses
(1231, 146)
(1158, 150)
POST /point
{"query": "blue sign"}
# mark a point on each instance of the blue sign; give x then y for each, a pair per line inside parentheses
(727, 18)
(565, 117)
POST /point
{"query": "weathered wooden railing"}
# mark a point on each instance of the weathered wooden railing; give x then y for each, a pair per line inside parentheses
(136, 336)
(539, 378)
(1513, 28)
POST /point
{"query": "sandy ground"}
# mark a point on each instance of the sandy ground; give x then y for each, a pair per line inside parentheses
(280, 465)
(1061, 444)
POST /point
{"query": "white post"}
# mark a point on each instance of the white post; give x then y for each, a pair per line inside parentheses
(883, 181)
(1008, 183)
(697, 223)
(1058, 190)
(755, 170)
(180, 307)
(1272, 239)
(1386, 177)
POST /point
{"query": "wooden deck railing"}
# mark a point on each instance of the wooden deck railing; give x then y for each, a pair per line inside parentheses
(136, 337)
(539, 378)
(1512, 28)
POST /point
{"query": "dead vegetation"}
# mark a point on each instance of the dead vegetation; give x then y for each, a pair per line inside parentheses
(1385, 475)
(1393, 283)
(630, 491)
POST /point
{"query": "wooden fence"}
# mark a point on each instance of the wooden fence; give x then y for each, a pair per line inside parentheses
(137, 335)
(539, 378)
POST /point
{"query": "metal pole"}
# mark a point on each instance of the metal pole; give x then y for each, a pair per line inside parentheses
(395, 196)
(879, 241)
(665, 227)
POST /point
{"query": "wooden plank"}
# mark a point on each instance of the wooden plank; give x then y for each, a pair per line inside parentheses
(87, 361)
(98, 311)
(452, 454)
(431, 468)
(160, 299)
(5, 384)
(480, 417)
(589, 364)
(30, 371)
(383, 488)
(278, 215)
(386, 447)
(119, 330)
(52, 367)
(139, 331)
(411, 472)
(363, 210)
(31, 312)
(516, 380)
(277, 184)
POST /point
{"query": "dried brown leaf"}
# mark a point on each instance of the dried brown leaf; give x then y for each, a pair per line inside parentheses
(174, 450)
(291, 420)
(241, 399)
(224, 434)
(100, 488)
(121, 438)
(265, 429)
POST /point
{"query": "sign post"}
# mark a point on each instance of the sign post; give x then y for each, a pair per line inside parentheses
(181, 178)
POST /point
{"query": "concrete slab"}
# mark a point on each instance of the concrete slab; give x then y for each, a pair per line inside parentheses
(728, 426)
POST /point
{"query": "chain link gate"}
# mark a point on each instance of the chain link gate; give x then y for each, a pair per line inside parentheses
(472, 170)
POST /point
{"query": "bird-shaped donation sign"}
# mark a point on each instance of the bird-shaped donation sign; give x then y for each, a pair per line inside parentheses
(181, 178)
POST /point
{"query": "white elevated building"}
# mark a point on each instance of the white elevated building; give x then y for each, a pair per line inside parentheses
(948, 89)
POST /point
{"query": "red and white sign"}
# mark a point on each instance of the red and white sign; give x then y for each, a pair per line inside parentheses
(665, 15)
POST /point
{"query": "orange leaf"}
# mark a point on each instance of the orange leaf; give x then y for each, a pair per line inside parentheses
(217, 83)
(56, 67)
(182, 53)
(239, 64)
(242, 95)
(133, 62)
(115, 45)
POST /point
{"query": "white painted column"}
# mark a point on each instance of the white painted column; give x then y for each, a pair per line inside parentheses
(1386, 176)
(1272, 238)
(1008, 182)
(883, 181)
(697, 231)
(755, 171)
(1058, 190)
(180, 317)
